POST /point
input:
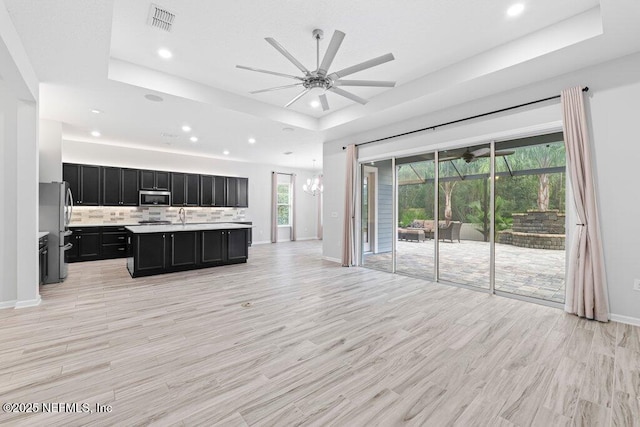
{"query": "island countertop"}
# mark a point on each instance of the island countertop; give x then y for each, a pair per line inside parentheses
(170, 228)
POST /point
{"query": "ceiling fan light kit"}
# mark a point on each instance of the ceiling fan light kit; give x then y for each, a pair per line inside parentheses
(320, 79)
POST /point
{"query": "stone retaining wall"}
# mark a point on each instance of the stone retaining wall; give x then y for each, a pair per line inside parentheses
(536, 229)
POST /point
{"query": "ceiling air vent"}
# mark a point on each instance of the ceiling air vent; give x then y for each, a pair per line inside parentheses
(160, 18)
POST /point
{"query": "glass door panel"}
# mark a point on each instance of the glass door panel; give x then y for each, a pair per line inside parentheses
(464, 216)
(415, 177)
(376, 218)
(530, 217)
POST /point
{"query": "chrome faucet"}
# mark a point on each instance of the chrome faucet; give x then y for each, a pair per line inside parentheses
(182, 215)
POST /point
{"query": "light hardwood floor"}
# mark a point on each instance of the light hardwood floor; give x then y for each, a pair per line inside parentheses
(319, 344)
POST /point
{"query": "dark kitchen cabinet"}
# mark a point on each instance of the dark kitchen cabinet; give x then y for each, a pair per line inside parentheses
(224, 246)
(237, 192)
(43, 259)
(84, 182)
(156, 253)
(150, 253)
(183, 249)
(87, 244)
(154, 180)
(212, 191)
(119, 187)
(114, 242)
(185, 189)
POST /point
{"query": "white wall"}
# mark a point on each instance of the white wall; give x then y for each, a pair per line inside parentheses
(259, 175)
(19, 171)
(613, 102)
(50, 142)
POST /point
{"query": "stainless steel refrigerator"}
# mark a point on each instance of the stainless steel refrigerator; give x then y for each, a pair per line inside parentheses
(56, 206)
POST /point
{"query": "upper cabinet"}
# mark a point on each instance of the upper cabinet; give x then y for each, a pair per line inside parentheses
(237, 192)
(119, 186)
(154, 180)
(84, 182)
(185, 189)
(212, 191)
(93, 185)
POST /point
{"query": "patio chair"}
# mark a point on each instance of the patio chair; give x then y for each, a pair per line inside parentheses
(451, 231)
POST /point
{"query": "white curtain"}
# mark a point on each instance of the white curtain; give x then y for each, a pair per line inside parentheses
(586, 293)
(293, 209)
(274, 207)
(348, 231)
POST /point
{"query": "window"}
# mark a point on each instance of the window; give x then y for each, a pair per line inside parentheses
(284, 204)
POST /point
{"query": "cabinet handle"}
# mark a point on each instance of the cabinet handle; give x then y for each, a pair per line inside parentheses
(121, 238)
(79, 237)
(121, 249)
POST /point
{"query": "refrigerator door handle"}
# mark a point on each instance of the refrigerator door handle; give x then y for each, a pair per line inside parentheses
(67, 246)
(70, 205)
(67, 233)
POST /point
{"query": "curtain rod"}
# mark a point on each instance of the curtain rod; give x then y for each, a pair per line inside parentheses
(283, 173)
(585, 89)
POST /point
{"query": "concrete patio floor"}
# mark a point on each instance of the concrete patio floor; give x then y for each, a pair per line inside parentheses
(536, 273)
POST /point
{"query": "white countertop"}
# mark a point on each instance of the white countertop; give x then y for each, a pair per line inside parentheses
(187, 227)
(41, 234)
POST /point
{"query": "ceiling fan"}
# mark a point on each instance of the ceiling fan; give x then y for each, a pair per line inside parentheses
(472, 156)
(320, 78)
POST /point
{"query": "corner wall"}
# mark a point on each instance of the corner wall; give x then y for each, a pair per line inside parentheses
(613, 104)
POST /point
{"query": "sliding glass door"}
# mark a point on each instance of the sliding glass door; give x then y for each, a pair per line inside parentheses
(461, 219)
(464, 216)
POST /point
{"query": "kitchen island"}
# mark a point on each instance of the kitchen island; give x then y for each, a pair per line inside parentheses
(158, 249)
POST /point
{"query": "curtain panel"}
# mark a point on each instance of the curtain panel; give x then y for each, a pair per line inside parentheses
(586, 294)
(348, 231)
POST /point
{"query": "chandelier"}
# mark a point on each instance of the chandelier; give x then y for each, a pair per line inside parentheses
(313, 185)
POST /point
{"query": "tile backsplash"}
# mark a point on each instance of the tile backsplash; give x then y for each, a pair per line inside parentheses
(131, 215)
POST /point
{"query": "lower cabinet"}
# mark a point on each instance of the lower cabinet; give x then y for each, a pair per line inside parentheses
(156, 253)
(94, 243)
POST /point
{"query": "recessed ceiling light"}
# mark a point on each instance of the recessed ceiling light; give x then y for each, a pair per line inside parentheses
(286, 153)
(186, 128)
(315, 103)
(164, 53)
(225, 152)
(154, 98)
(515, 10)
(252, 140)
(95, 133)
(287, 129)
(193, 139)
(94, 111)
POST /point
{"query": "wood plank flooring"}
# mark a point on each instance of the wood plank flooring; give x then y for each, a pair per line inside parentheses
(319, 344)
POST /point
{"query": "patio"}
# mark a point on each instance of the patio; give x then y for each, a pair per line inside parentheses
(536, 273)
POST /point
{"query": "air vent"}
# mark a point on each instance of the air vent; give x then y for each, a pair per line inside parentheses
(160, 18)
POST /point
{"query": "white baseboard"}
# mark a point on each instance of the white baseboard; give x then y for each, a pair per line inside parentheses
(625, 319)
(261, 243)
(299, 239)
(28, 303)
(7, 304)
(328, 258)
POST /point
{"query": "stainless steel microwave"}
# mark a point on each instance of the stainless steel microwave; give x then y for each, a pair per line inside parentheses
(155, 198)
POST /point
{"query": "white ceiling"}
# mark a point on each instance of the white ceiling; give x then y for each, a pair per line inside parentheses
(102, 54)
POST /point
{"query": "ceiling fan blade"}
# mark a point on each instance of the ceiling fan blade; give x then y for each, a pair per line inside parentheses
(481, 152)
(498, 153)
(375, 83)
(268, 72)
(330, 54)
(324, 102)
(300, 95)
(276, 88)
(290, 57)
(362, 66)
(349, 95)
